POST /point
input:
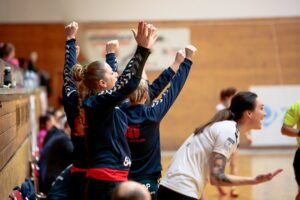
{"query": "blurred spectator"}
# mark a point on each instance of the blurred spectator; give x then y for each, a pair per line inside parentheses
(44, 78)
(58, 125)
(46, 123)
(31, 78)
(7, 53)
(225, 98)
(55, 157)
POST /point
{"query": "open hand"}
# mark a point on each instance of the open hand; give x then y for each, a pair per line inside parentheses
(267, 177)
(146, 35)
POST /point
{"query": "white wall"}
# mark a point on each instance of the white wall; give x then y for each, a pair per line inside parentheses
(28, 11)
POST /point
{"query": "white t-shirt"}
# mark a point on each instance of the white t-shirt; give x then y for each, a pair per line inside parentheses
(189, 168)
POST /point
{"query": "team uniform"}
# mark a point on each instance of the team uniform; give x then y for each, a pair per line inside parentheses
(189, 169)
(106, 125)
(71, 107)
(292, 118)
(143, 133)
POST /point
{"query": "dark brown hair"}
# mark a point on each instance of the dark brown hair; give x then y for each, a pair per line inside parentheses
(241, 102)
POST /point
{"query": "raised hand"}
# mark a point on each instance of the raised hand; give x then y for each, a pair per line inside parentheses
(112, 46)
(189, 51)
(71, 30)
(266, 177)
(146, 35)
(179, 58)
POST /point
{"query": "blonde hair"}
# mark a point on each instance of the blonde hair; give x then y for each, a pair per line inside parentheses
(87, 78)
(139, 93)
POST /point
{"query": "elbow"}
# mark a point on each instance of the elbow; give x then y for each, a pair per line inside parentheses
(283, 130)
(214, 180)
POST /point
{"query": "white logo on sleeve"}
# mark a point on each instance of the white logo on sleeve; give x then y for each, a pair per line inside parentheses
(229, 144)
(127, 162)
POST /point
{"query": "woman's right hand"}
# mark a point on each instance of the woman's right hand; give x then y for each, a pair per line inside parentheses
(179, 58)
(71, 30)
(146, 35)
(189, 51)
(266, 177)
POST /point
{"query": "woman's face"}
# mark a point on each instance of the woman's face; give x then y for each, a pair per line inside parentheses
(111, 77)
(257, 115)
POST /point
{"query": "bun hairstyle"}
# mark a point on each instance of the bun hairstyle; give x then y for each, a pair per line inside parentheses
(88, 77)
(241, 102)
(78, 72)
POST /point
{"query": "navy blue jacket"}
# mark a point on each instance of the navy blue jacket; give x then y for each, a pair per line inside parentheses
(143, 128)
(157, 85)
(70, 100)
(107, 124)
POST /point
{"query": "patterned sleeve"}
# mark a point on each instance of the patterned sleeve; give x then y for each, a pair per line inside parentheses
(160, 107)
(69, 86)
(159, 84)
(111, 60)
(127, 82)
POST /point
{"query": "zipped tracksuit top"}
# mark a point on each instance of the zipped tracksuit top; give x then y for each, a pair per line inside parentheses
(143, 133)
(71, 107)
(106, 125)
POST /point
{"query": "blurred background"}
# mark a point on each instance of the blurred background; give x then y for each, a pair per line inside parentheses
(249, 44)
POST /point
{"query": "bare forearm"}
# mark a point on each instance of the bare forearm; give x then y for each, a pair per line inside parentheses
(289, 131)
(231, 180)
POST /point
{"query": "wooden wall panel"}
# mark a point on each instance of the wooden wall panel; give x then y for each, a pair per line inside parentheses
(14, 173)
(236, 53)
(14, 137)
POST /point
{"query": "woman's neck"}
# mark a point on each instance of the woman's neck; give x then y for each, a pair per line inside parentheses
(243, 127)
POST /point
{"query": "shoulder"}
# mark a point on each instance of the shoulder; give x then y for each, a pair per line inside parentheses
(226, 126)
(295, 107)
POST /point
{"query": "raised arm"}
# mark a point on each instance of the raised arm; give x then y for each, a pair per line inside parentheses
(219, 178)
(159, 84)
(160, 107)
(112, 47)
(71, 53)
(131, 76)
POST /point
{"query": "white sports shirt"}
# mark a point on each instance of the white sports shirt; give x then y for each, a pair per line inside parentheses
(189, 168)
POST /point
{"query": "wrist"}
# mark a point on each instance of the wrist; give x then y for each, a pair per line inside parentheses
(110, 51)
(70, 37)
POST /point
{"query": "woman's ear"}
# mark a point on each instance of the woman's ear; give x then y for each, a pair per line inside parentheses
(249, 114)
(102, 83)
